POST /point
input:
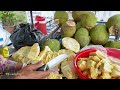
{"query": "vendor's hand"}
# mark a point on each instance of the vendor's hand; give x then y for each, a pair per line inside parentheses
(29, 72)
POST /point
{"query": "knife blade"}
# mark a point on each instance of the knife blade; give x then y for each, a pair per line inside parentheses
(54, 62)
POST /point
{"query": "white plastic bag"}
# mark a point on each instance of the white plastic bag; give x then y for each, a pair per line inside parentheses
(97, 47)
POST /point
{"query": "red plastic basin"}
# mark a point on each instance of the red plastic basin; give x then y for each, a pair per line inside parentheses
(111, 52)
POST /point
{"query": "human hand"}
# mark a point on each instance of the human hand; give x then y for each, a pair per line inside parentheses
(29, 72)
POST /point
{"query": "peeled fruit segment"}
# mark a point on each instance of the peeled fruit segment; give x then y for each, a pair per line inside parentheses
(71, 44)
(34, 51)
(54, 76)
(68, 69)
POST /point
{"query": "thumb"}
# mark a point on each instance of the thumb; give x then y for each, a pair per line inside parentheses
(37, 65)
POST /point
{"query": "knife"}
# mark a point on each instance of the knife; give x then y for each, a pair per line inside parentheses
(52, 63)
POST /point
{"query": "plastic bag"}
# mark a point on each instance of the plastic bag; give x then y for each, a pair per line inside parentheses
(112, 54)
(25, 36)
(97, 47)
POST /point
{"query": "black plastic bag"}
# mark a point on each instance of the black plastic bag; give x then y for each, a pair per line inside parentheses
(25, 36)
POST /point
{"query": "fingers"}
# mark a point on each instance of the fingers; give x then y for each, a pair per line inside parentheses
(33, 67)
(33, 75)
(56, 71)
(42, 74)
(37, 75)
(37, 65)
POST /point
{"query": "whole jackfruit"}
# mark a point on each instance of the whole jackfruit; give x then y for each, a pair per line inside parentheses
(68, 29)
(82, 36)
(84, 19)
(53, 44)
(113, 44)
(99, 34)
(76, 15)
(61, 16)
(113, 25)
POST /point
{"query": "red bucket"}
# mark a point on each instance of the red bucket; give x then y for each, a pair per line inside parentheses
(41, 24)
(111, 52)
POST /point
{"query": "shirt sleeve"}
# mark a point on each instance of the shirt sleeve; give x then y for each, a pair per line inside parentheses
(7, 66)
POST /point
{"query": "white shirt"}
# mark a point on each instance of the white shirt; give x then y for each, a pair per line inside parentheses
(5, 35)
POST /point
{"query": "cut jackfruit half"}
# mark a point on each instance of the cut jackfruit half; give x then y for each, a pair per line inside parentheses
(71, 44)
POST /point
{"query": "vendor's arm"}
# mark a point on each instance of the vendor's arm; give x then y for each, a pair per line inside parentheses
(9, 66)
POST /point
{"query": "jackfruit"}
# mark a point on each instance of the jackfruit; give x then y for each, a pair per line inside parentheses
(113, 25)
(99, 34)
(61, 17)
(76, 15)
(68, 29)
(71, 44)
(113, 44)
(84, 19)
(82, 36)
(54, 76)
(68, 69)
(27, 54)
(53, 44)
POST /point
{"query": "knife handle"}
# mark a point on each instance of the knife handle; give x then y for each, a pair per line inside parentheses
(43, 68)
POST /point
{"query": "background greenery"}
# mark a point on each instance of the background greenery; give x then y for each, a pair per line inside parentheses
(20, 17)
(13, 17)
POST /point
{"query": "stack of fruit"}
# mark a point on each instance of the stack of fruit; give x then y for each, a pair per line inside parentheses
(85, 30)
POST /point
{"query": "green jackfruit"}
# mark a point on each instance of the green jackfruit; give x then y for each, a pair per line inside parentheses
(82, 36)
(113, 25)
(84, 19)
(88, 21)
(99, 34)
(78, 25)
(113, 44)
(53, 44)
(91, 44)
(68, 29)
(76, 15)
(61, 16)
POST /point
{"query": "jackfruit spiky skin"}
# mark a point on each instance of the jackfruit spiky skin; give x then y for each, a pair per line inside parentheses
(99, 34)
(113, 25)
(82, 36)
(113, 44)
(76, 15)
(68, 29)
(53, 44)
(62, 17)
(84, 19)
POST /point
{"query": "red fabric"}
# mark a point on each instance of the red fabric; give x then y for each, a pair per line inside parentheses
(39, 18)
(40, 26)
